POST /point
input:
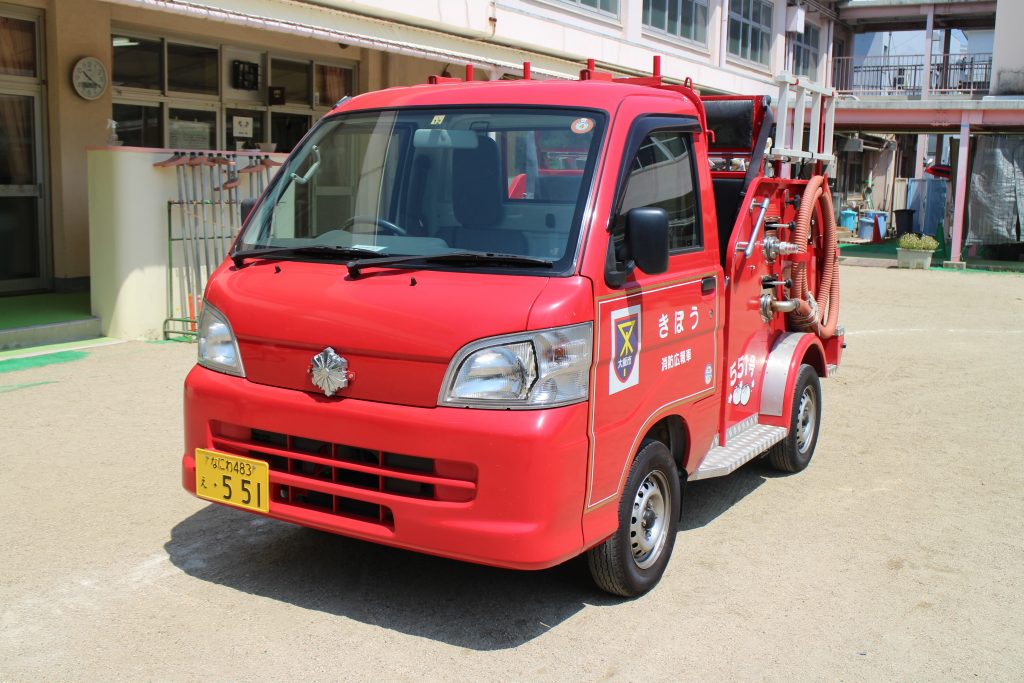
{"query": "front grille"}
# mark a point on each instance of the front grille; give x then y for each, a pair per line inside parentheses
(345, 480)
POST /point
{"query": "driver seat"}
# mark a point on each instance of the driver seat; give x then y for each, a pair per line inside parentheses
(478, 199)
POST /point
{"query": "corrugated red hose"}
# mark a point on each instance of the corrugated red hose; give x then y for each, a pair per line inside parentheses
(818, 311)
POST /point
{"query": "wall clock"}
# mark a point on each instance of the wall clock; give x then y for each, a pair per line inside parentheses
(89, 78)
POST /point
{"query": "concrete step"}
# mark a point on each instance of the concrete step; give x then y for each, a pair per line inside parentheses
(51, 333)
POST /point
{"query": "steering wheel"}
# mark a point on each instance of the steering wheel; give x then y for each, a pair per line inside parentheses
(387, 226)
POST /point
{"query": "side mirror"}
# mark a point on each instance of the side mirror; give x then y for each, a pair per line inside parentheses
(246, 207)
(647, 239)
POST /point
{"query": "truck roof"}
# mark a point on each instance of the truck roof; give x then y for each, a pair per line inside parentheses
(590, 94)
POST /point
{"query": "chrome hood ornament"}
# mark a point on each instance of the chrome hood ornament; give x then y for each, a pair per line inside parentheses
(329, 371)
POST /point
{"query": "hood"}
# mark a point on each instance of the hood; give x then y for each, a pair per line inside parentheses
(398, 329)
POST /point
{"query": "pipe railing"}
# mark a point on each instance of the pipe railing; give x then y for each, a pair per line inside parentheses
(969, 74)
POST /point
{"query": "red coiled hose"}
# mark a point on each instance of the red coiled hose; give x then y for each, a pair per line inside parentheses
(818, 311)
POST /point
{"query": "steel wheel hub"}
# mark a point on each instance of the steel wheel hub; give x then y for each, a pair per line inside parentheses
(805, 419)
(648, 528)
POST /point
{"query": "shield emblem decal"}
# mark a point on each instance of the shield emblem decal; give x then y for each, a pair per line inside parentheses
(626, 345)
(626, 340)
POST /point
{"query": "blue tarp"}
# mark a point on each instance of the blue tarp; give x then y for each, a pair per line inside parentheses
(927, 197)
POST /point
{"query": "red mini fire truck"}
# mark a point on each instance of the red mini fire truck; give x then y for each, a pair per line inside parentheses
(506, 322)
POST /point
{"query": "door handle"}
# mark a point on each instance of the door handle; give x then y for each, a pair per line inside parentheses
(707, 285)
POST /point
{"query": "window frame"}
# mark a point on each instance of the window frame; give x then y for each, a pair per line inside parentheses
(36, 17)
(807, 48)
(168, 99)
(640, 130)
(665, 34)
(748, 23)
(596, 12)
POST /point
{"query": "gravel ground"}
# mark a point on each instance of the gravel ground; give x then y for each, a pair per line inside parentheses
(899, 554)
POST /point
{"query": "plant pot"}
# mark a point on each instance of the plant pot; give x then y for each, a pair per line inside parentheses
(913, 258)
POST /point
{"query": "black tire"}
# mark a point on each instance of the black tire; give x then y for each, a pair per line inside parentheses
(793, 453)
(624, 565)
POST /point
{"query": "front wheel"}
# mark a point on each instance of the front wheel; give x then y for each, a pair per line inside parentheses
(793, 453)
(632, 560)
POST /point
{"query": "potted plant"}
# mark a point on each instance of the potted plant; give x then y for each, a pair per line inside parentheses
(915, 251)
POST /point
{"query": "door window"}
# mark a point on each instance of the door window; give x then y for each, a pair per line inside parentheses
(661, 176)
(19, 191)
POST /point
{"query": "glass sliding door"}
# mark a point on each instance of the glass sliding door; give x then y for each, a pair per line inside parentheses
(24, 253)
(22, 258)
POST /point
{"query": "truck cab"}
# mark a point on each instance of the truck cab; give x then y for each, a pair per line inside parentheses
(507, 322)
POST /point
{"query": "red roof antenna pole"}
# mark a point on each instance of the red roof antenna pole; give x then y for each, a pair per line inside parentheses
(526, 71)
(656, 69)
(469, 72)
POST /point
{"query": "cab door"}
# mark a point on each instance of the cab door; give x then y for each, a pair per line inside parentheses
(657, 336)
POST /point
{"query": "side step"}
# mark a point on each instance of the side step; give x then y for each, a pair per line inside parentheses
(742, 448)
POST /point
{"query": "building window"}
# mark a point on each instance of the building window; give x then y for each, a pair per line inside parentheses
(287, 129)
(17, 47)
(609, 6)
(192, 128)
(806, 50)
(293, 77)
(139, 125)
(156, 81)
(684, 18)
(750, 30)
(193, 69)
(138, 63)
(332, 83)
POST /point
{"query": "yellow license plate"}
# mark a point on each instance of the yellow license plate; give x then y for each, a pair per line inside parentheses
(242, 482)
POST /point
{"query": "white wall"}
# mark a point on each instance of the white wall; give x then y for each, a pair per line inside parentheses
(1008, 52)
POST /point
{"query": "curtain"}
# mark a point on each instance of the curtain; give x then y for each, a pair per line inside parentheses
(17, 58)
(16, 163)
(332, 83)
(17, 47)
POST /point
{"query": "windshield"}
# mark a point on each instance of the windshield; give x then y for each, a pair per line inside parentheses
(425, 182)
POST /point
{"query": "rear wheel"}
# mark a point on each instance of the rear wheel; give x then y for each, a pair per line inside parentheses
(793, 453)
(631, 562)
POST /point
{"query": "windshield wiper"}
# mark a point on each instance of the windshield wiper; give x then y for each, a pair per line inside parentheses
(475, 257)
(326, 250)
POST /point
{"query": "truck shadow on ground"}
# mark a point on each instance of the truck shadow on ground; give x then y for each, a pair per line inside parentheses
(467, 605)
(704, 501)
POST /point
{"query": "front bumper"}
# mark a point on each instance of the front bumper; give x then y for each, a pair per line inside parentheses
(504, 488)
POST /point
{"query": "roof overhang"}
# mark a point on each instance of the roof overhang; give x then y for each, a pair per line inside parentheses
(335, 25)
(866, 16)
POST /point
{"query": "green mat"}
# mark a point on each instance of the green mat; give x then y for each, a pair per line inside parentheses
(42, 309)
(885, 249)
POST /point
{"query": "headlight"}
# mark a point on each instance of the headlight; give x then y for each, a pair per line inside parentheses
(530, 370)
(217, 347)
